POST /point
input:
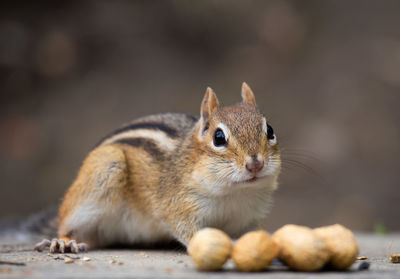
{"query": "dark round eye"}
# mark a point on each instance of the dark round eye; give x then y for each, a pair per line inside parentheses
(219, 138)
(270, 132)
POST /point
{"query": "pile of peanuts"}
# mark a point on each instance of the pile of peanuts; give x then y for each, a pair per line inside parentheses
(299, 247)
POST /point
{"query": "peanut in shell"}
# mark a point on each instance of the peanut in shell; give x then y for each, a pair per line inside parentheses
(300, 248)
(342, 245)
(254, 251)
(209, 249)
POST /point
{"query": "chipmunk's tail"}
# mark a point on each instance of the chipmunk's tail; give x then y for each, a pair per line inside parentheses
(40, 225)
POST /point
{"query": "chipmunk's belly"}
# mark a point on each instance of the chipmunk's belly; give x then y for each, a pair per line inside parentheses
(133, 227)
(122, 225)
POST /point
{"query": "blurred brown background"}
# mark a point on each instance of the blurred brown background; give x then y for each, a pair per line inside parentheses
(326, 73)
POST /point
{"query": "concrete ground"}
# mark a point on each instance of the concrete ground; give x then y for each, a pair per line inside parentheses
(19, 260)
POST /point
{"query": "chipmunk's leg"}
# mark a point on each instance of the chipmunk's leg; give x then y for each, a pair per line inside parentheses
(184, 228)
(185, 236)
(90, 200)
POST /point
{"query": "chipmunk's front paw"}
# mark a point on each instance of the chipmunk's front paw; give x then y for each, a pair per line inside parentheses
(61, 246)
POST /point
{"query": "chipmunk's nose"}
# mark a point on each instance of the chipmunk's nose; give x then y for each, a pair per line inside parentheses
(254, 165)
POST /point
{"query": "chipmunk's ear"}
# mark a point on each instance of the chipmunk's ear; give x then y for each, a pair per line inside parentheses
(208, 106)
(248, 95)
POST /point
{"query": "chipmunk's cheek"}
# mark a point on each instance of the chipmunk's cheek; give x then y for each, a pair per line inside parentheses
(274, 165)
(211, 176)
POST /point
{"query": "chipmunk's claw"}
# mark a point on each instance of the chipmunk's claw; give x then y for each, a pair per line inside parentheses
(61, 246)
(83, 247)
(42, 245)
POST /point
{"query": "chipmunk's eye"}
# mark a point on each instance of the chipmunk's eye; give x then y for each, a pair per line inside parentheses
(270, 132)
(219, 138)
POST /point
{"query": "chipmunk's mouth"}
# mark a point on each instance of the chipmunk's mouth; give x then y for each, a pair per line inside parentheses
(251, 180)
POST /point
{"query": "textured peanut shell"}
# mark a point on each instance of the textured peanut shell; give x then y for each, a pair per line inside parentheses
(209, 249)
(254, 251)
(342, 245)
(300, 248)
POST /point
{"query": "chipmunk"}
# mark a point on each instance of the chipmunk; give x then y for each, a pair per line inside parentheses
(165, 176)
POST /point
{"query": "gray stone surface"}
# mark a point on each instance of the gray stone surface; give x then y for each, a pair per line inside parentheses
(140, 263)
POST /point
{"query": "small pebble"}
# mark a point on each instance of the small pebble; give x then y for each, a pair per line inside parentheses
(395, 258)
(362, 258)
(144, 255)
(86, 259)
(72, 257)
(364, 266)
(68, 260)
(116, 262)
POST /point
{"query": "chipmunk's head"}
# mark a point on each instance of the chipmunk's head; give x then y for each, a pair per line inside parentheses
(238, 146)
